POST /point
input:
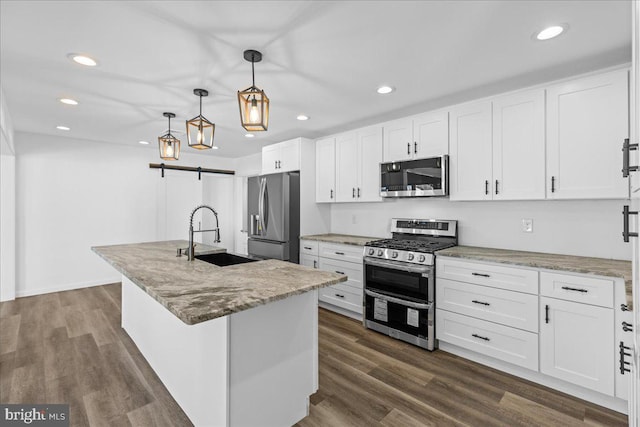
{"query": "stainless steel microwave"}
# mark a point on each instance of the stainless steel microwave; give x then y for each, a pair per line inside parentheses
(415, 178)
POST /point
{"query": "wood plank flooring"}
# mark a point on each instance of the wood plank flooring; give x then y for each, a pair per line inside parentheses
(68, 347)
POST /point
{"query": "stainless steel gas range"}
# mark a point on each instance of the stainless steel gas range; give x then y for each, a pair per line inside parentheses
(399, 279)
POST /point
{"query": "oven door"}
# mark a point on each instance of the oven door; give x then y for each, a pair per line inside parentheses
(399, 279)
(402, 319)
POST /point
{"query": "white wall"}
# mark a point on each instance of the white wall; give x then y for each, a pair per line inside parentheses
(585, 228)
(74, 194)
(7, 205)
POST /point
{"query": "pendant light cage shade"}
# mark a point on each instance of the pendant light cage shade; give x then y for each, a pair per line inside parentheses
(169, 145)
(200, 131)
(254, 109)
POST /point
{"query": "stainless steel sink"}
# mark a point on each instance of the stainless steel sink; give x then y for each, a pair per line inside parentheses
(224, 259)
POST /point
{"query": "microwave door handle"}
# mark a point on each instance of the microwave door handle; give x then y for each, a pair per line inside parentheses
(417, 305)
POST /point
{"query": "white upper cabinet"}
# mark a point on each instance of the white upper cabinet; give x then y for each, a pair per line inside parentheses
(425, 135)
(398, 140)
(587, 122)
(270, 157)
(470, 174)
(346, 167)
(325, 170)
(431, 134)
(358, 155)
(518, 146)
(370, 157)
(281, 157)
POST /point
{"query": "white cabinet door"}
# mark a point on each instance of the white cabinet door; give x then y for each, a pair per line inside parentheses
(576, 344)
(431, 134)
(325, 170)
(289, 156)
(309, 261)
(370, 157)
(470, 151)
(587, 122)
(270, 157)
(347, 169)
(398, 140)
(518, 146)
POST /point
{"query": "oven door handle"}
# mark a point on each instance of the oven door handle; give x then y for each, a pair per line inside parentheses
(406, 303)
(397, 266)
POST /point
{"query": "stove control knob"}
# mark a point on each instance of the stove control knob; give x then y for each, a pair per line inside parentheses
(380, 252)
(394, 254)
(422, 258)
(410, 257)
(371, 251)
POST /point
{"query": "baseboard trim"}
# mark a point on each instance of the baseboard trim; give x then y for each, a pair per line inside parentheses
(67, 287)
(610, 402)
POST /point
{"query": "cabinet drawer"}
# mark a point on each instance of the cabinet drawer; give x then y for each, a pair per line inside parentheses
(352, 270)
(340, 297)
(497, 276)
(502, 342)
(341, 252)
(586, 290)
(509, 308)
(309, 247)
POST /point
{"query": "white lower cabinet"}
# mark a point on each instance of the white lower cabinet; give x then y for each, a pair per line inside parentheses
(576, 343)
(345, 296)
(558, 325)
(491, 339)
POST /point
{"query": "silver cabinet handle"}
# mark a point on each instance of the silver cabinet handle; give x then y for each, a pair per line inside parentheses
(339, 272)
(496, 186)
(339, 295)
(480, 302)
(480, 274)
(553, 184)
(339, 253)
(332, 194)
(358, 192)
(308, 248)
(486, 186)
(415, 147)
(315, 264)
(353, 193)
(408, 148)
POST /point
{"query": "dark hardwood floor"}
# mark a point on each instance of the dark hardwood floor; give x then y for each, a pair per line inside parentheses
(68, 347)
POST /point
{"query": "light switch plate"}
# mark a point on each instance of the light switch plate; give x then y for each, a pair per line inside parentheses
(527, 225)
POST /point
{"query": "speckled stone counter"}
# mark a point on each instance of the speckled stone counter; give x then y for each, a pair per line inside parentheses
(196, 291)
(343, 239)
(576, 264)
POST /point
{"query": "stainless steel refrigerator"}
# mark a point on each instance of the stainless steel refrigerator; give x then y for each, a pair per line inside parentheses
(274, 216)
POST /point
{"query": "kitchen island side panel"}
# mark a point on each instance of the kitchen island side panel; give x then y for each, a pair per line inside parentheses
(190, 360)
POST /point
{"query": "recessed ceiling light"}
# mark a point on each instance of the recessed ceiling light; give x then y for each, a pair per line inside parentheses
(68, 101)
(384, 89)
(214, 147)
(550, 32)
(63, 128)
(249, 135)
(302, 117)
(83, 60)
(144, 142)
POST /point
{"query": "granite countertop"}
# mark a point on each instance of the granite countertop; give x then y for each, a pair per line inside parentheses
(576, 264)
(196, 291)
(344, 239)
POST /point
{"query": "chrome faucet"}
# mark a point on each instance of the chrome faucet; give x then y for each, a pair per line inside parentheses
(190, 249)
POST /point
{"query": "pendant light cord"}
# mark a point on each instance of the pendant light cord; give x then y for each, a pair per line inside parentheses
(253, 73)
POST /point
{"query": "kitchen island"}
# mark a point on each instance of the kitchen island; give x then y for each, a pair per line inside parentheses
(235, 345)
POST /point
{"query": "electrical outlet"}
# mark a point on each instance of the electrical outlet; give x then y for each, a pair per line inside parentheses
(527, 225)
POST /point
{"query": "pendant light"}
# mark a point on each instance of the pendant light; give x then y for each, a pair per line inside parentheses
(169, 144)
(253, 102)
(200, 131)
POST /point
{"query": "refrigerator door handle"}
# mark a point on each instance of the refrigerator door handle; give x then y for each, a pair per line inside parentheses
(260, 207)
(265, 207)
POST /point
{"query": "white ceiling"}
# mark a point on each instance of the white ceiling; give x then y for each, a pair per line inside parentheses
(321, 58)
